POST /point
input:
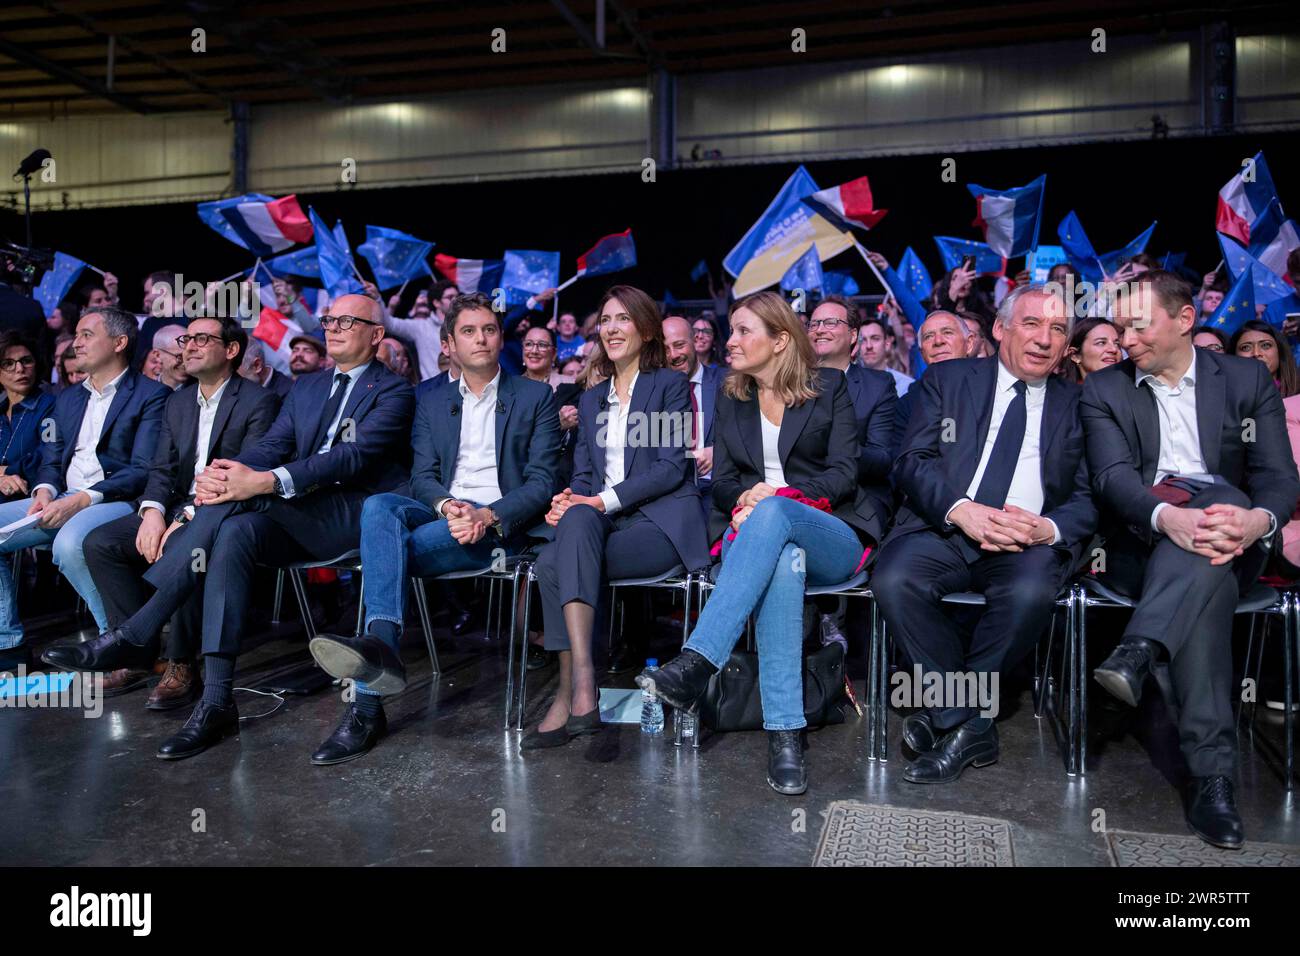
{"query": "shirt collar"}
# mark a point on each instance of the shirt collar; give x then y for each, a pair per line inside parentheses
(355, 373)
(1187, 378)
(216, 396)
(489, 390)
(109, 389)
(697, 377)
(1007, 380)
(613, 392)
(27, 404)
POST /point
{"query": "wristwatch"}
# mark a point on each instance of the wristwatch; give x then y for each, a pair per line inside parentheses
(277, 486)
(496, 524)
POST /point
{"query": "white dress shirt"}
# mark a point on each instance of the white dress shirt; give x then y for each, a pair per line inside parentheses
(84, 469)
(475, 478)
(616, 443)
(1026, 489)
(773, 473)
(286, 480)
(697, 389)
(901, 382)
(207, 418)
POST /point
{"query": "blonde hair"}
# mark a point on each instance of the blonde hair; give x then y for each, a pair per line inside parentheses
(796, 376)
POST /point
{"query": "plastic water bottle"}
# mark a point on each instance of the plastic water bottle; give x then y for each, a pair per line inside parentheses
(652, 711)
(688, 728)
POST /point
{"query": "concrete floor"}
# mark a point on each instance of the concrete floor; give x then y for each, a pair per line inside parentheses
(449, 785)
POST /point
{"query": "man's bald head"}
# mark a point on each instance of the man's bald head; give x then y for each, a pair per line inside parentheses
(362, 306)
(945, 335)
(357, 345)
(680, 346)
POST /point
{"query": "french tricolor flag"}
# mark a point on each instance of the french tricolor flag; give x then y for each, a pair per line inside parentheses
(471, 275)
(273, 328)
(1009, 217)
(848, 205)
(1244, 199)
(260, 224)
(1272, 238)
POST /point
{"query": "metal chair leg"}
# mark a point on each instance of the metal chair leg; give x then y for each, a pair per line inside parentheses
(279, 595)
(529, 578)
(1043, 670)
(1077, 729)
(300, 590)
(361, 606)
(1291, 616)
(510, 652)
(426, 623)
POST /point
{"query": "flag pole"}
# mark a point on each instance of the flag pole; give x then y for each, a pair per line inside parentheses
(568, 282)
(889, 294)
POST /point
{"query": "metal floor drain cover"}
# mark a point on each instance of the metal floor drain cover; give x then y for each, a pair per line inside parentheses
(862, 834)
(1163, 849)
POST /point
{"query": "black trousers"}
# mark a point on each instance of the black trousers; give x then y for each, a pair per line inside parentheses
(117, 569)
(225, 547)
(590, 548)
(915, 571)
(1186, 605)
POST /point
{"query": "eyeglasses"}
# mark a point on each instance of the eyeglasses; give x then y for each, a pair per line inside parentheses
(10, 364)
(830, 325)
(537, 346)
(708, 332)
(176, 357)
(201, 339)
(342, 322)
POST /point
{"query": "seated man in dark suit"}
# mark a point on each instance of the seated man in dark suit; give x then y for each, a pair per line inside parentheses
(705, 380)
(98, 446)
(1193, 472)
(833, 330)
(486, 450)
(942, 336)
(255, 368)
(217, 415)
(997, 501)
(342, 435)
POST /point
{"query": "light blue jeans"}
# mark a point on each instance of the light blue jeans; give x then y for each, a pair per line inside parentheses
(781, 546)
(66, 546)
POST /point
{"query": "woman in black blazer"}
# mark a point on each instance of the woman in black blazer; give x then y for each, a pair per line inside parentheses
(631, 509)
(782, 425)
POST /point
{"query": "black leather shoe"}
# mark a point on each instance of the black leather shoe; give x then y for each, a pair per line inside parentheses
(918, 732)
(786, 772)
(588, 723)
(545, 739)
(109, 651)
(953, 753)
(681, 682)
(1127, 668)
(12, 658)
(355, 736)
(1212, 812)
(367, 659)
(208, 725)
(538, 656)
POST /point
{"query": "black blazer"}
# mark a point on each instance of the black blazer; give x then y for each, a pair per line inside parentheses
(527, 451)
(945, 438)
(818, 445)
(381, 406)
(279, 383)
(244, 414)
(657, 476)
(1122, 425)
(875, 404)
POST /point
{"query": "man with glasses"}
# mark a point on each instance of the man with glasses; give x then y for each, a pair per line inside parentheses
(833, 329)
(486, 452)
(94, 463)
(171, 363)
(217, 415)
(703, 336)
(705, 381)
(296, 495)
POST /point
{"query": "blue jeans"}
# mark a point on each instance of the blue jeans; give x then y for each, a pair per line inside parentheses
(401, 537)
(782, 545)
(66, 546)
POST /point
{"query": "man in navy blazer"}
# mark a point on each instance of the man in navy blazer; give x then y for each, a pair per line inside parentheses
(997, 502)
(342, 435)
(99, 443)
(486, 452)
(705, 380)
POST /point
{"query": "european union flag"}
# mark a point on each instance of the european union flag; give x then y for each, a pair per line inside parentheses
(1268, 286)
(839, 283)
(394, 256)
(609, 254)
(914, 273)
(987, 262)
(337, 271)
(805, 274)
(529, 271)
(58, 281)
(1238, 305)
(305, 262)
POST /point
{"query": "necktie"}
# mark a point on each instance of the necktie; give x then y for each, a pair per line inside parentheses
(1006, 452)
(331, 410)
(695, 417)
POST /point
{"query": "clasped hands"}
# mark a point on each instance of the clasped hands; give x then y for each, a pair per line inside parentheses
(1220, 532)
(1006, 529)
(747, 500)
(566, 499)
(466, 523)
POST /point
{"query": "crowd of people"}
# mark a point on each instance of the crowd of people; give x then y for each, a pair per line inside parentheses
(977, 440)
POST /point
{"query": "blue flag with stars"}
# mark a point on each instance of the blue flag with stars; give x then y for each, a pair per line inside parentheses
(839, 283)
(529, 271)
(58, 281)
(1237, 307)
(914, 273)
(394, 256)
(805, 274)
(1268, 286)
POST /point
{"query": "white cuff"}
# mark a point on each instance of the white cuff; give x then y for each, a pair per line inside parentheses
(946, 514)
(437, 505)
(286, 481)
(96, 497)
(1155, 514)
(612, 504)
(1056, 532)
(151, 504)
(54, 492)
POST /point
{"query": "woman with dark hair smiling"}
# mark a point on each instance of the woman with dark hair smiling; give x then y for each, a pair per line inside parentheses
(23, 407)
(1258, 340)
(631, 509)
(790, 511)
(1093, 347)
(704, 336)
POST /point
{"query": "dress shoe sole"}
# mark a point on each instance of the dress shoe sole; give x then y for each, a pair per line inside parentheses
(337, 760)
(64, 665)
(1221, 846)
(648, 684)
(955, 777)
(914, 741)
(1116, 685)
(339, 660)
(788, 791)
(232, 732)
(172, 703)
(127, 688)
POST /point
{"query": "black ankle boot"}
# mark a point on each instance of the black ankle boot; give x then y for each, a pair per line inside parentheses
(786, 772)
(681, 682)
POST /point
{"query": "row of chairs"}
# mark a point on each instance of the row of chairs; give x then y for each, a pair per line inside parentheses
(1060, 692)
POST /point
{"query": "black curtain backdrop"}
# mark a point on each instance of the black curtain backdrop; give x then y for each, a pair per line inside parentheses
(689, 214)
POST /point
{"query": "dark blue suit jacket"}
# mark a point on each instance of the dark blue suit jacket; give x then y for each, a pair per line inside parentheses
(380, 406)
(657, 477)
(527, 451)
(431, 384)
(875, 403)
(126, 443)
(945, 439)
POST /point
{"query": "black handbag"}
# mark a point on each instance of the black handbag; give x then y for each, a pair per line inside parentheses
(732, 700)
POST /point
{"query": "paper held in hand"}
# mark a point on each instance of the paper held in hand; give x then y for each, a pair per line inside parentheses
(13, 527)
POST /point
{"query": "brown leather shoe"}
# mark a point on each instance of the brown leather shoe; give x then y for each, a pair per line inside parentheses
(123, 681)
(180, 685)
